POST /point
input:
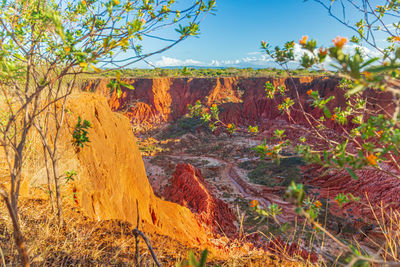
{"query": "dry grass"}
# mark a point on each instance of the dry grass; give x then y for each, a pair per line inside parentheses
(92, 243)
(387, 230)
(83, 242)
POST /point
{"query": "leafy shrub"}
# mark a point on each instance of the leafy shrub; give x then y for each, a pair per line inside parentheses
(80, 134)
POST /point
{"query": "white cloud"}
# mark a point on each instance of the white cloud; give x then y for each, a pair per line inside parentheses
(252, 60)
(255, 59)
(254, 53)
(174, 62)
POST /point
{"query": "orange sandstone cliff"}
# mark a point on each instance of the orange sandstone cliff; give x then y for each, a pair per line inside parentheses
(111, 176)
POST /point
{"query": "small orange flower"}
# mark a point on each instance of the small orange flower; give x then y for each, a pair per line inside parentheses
(396, 38)
(367, 74)
(67, 49)
(254, 203)
(323, 52)
(303, 40)
(334, 117)
(372, 159)
(339, 42)
(214, 105)
(281, 142)
(269, 153)
(379, 133)
(253, 129)
(280, 106)
(309, 92)
(318, 204)
(316, 225)
(230, 125)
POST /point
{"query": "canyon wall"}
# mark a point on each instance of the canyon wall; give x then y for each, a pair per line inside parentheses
(243, 101)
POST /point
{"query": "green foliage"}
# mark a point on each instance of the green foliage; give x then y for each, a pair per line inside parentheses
(370, 135)
(265, 172)
(342, 199)
(207, 73)
(186, 71)
(271, 90)
(253, 129)
(69, 176)
(366, 127)
(296, 193)
(211, 117)
(80, 135)
(115, 85)
(192, 261)
(271, 211)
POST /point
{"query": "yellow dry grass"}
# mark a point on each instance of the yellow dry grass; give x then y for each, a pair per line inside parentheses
(92, 243)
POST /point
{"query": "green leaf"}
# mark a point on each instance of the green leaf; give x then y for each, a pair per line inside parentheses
(192, 259)
(383, 68)
(327, 112)
(127, 85)
(352, 173)
(356, 89)
(326, 158)
(372, 60)
(203, 258)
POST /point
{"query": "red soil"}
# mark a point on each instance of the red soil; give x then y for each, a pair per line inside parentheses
(372, 186)
(188, 188)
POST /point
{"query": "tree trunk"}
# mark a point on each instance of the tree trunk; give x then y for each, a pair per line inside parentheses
(46, 160)
(18, 237)
(58, 192)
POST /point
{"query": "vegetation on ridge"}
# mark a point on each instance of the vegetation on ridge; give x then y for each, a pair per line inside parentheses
(190, 72)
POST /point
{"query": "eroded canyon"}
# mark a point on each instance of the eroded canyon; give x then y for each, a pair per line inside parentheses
(217, 174)
(192, 188)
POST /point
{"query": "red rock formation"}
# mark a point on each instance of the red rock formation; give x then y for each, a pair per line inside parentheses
(242, 100)
(381, 190)
(188, 188)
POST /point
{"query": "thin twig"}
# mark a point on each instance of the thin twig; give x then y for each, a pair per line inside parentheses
(136, 232)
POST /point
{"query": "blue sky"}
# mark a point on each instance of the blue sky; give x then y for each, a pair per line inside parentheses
(232, 36)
